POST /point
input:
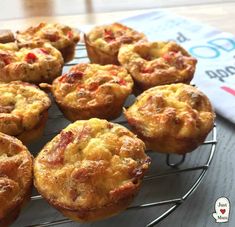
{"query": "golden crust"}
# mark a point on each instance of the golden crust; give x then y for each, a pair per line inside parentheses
(60, 36)
(41, 64)
(29, 136)
(92, 90)
(23, 110)
(91, 170)
(172, 118)
(157, 63)
(16, 174)
(104, 42)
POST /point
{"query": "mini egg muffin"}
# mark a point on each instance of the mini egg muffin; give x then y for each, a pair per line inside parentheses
(157, 63)
(92, 170)
(23, 110)
(41, 64)
(92, 90)
(172, 118)
(62, 37)
(6, 36)
(16, 175)
(103, 42)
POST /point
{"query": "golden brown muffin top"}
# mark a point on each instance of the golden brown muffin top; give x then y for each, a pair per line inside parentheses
(10, 53)
(87, 85)
(28, 64)
(178, 109)
(157, 63)
(58, 35)
(90, 164)
(15, 173)
(21, 106)
(109, 38)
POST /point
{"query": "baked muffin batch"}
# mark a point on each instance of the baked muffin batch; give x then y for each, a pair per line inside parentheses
(93, 168)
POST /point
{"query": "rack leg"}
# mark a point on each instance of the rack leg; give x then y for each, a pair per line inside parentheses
(175, 165)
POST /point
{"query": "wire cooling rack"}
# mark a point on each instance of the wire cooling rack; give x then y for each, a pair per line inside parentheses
(174, 167)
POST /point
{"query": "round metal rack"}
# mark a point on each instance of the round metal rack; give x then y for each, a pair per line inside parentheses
(174, 166)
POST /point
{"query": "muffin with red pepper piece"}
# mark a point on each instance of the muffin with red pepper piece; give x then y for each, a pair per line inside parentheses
(62, 37)
(16, 175)
(172, 118)
(157, 63)
(23, 110)
(92, 90)
(41, 64)
(104, 42)
(92, 170)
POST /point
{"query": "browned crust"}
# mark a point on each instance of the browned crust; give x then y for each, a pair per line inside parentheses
(98, 56)
(107, 111)
(10, 167)
(31, 135)
(13, 215)
(6, 36)
(141, 85)
(173, 146)
(85, 215)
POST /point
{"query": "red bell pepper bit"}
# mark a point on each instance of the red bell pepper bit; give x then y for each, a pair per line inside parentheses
(5, 58)
(79, 87)
(70, 34)
(31, 58)
(93, 86)
(71, 77)
(52, 36)
(122, 82)
(108, 36)
(147, 70)
(6, 61)
(113, 72)
(44, 51)
(167, 57)
(62, 78)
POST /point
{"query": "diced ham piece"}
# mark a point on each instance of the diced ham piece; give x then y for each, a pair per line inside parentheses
(56, 155)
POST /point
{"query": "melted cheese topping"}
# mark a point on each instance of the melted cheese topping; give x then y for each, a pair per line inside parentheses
(178, 110)
(109, 38)
(15, 173)
(92, 85)
(157, 63)
(60, 36)
(21, 106)
(90, 164)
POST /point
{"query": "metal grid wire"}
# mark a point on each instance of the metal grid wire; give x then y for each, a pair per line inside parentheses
(176, 202)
